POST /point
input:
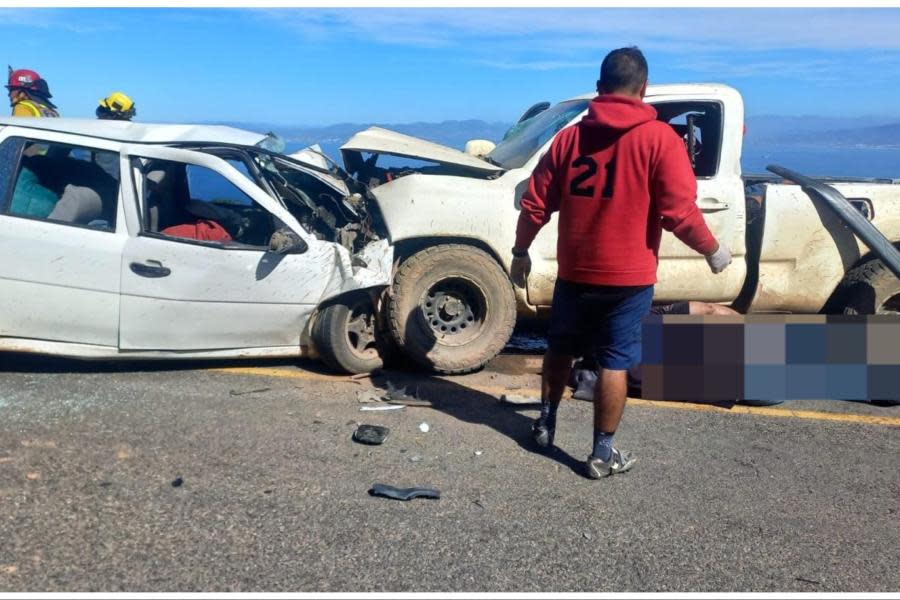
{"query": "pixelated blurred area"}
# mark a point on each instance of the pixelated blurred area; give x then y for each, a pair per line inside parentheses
(767, 359)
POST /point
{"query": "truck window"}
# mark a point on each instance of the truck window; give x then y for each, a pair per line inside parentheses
(699, 124)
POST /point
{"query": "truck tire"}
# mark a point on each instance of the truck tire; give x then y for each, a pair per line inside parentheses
(867, 289)
(344, 334)
(452, 308)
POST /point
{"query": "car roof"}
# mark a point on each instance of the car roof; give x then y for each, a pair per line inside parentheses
(141, 133)
(670, 89)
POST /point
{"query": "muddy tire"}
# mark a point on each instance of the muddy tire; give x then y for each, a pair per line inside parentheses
(344, 333)
(867, 289)
(452, 308)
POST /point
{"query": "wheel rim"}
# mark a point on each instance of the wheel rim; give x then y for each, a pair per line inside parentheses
(360, 331)
(454, 309)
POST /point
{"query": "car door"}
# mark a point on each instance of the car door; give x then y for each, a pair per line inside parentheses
(182, 293)
(62, 234)
(682, 273)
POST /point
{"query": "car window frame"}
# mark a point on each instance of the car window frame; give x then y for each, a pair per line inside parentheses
(140, 201)
(7, 201)
(721, 132)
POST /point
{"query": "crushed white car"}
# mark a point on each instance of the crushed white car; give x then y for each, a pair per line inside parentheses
(128, 240)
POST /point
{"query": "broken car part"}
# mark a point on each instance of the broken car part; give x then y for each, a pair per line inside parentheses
(389, 491)
(372, 435)
(381, 407)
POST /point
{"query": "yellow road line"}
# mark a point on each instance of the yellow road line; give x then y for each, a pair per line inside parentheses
(762, 411)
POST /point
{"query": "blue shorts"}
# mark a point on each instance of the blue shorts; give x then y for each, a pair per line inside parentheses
(599, 320)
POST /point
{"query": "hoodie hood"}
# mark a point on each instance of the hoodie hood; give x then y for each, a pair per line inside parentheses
(619, 113)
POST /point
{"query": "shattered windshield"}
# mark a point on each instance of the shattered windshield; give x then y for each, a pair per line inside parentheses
(272, 142)
(522, 142)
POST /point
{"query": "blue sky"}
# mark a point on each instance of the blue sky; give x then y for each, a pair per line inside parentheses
(305, 66)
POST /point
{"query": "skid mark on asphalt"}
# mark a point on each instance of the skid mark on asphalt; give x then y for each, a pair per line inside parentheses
(761, 411)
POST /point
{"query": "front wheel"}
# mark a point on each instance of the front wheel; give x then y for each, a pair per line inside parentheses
(452, 308)
(344, 333)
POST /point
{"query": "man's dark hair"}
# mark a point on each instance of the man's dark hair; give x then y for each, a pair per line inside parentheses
(623, 70)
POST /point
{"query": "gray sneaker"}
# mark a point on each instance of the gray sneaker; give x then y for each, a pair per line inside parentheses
(618, 463)
(542, 435)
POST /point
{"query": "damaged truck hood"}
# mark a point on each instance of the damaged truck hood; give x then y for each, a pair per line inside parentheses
(376, 140)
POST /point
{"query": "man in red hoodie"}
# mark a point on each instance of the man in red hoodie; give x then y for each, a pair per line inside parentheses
(618, 178)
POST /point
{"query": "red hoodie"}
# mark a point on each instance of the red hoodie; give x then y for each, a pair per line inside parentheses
(617, 178)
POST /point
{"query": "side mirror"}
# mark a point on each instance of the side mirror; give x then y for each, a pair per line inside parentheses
(285, 241)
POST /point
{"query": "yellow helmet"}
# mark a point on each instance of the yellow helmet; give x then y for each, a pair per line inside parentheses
(116, 106)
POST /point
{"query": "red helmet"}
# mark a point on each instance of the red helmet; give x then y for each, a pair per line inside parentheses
(24, 78)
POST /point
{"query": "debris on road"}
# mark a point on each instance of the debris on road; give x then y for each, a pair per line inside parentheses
(520, 400)
(384, 407)
(409, 401)
(372, 435)
(177, 482)
(423, 427)
(478, 453)
(244, 393)
(415, 459)
(389, 491)
(368, 396)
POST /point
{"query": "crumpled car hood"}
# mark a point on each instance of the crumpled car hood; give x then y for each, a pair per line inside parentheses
(384, 141)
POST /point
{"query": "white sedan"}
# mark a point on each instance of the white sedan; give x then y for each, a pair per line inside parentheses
(128, 240)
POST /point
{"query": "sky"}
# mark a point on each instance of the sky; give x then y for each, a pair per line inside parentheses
(307, 67)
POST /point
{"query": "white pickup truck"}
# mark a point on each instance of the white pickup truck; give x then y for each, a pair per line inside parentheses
(452, 216)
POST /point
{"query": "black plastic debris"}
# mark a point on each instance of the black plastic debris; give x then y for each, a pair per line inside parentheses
(177, 482)
(370, 434)
(389, 491)
(245, 392)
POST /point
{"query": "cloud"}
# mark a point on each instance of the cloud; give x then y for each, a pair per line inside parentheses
(48, 18)
(574, 28)
(816, 69)
(538, 65)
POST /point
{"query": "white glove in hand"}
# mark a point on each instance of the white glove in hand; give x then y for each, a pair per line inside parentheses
(719, 259)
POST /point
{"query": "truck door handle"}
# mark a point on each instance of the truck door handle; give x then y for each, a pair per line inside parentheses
(708, 205)
(150, 268)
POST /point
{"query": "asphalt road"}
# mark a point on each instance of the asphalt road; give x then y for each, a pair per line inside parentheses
(804, 497)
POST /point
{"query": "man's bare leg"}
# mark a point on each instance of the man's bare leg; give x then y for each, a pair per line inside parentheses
(610, 395)
(554, 378)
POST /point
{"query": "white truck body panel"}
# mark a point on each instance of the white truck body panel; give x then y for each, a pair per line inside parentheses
(385, 141)
(807, 249)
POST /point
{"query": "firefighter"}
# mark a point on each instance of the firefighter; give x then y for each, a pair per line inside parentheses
(117, 107)
(29, 94)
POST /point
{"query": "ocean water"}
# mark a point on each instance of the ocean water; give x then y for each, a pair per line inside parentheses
(824, 161)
